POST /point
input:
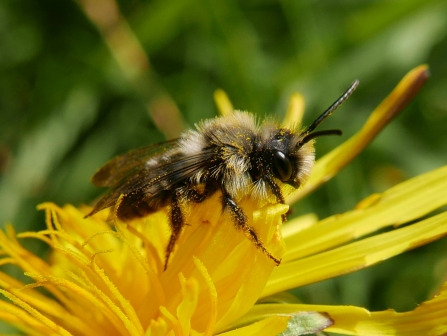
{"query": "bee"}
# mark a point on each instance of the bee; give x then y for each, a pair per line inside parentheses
(233, 154)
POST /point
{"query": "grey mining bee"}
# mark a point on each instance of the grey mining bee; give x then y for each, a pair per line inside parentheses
(232, 154)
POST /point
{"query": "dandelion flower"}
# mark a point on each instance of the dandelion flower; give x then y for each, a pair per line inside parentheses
(107, 278)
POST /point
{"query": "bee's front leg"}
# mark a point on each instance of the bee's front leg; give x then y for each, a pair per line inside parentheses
(276, 190)
(240, 221)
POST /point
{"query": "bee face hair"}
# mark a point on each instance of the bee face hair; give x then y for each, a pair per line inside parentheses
(234, 154)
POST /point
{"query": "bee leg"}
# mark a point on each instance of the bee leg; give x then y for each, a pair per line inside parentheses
(197, 197)
(177, 220)
(176, 224)
(240, 220)
(276, 190)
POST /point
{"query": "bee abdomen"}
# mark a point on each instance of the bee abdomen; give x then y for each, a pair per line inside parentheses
(138, 204)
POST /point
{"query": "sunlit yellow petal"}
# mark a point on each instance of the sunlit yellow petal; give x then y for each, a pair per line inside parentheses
(16, 316)
(296, 225)
(208, 320)
(356, 255)
(172, 322)
(295, 111)
(190, 291)
(298, 323)
(429, 318)
(239, 300)
(123, 309)
(326, 167)
(106, 281)
(79, 298)
(157, 327)
(109, 278)
(22, 258)
(402, 203)
(223, 103)
(53, 328)
(269, 326)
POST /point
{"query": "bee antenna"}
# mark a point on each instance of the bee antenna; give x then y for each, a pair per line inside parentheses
(313, 135)
(331, 108)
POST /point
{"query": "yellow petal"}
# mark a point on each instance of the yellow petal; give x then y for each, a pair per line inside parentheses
(427, 319)
(223, 103)
(206, 313)
(355, 256)
(298, 323)
(326, 167)
(157, 327)
(186, 308)
(15, 316)
(237, 294)
(122, 308)
(53, 328)
(402, 203)
(298, 224)
(269, 326)
(77, 298)
(295, 111)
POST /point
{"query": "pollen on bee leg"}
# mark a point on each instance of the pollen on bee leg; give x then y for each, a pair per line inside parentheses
(253, 236)
(241, 223)
(177, 223)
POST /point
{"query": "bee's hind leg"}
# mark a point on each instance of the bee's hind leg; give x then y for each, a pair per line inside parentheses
(177, 220)
(240, 221)
(198, 197)
(176, 223)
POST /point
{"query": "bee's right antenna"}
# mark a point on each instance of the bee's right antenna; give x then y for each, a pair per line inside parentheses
(333, 107)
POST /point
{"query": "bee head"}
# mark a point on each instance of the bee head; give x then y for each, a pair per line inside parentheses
(292, 156)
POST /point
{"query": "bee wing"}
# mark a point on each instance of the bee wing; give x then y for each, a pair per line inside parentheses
(152, 180)
(114, 171)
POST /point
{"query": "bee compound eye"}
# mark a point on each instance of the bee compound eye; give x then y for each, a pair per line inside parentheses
(282, 166)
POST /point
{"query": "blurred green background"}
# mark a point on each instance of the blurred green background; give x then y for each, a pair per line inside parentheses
(67, 105)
